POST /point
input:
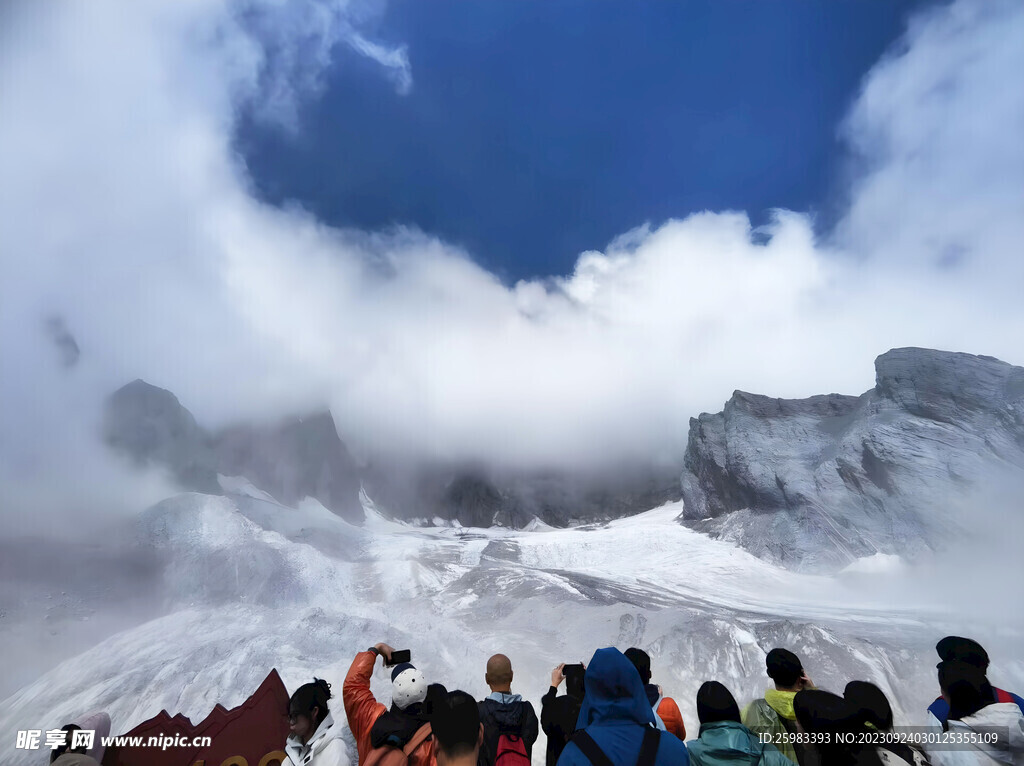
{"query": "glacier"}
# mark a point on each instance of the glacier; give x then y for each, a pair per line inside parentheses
(241, 584)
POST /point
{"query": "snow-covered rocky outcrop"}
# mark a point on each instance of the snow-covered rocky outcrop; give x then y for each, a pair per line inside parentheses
(819, 482)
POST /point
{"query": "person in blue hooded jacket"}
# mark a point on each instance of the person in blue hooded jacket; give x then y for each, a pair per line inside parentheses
(723, 740)
(617, 722)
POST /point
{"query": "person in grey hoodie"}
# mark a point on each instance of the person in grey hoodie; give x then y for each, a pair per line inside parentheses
(723, 740)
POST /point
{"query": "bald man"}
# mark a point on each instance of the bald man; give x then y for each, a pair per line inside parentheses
(510, 725)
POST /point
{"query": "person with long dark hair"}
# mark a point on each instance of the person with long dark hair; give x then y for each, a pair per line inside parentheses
(314, 738)
(876, 713)
(834, 718)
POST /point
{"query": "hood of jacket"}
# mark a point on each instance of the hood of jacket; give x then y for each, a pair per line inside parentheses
(1005, 715)
(781, 703)
(615, 693)
(653, 692)
(728, 740)
(507, 713)
(324, 733)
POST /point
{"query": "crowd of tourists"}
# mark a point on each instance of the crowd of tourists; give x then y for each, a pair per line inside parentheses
(611, 714)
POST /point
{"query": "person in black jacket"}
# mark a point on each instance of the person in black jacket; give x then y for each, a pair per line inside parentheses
(504, 712)
(558, 715)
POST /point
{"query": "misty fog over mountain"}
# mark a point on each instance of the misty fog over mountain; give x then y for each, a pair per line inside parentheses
(235, 436)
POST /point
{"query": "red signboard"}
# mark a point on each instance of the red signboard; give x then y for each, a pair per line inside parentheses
(252, 734)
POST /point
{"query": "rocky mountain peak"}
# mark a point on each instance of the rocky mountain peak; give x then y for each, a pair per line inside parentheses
(295, 458)
(151, 426)
(820, 481)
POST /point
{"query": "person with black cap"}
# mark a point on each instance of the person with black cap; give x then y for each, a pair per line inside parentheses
(376, 728)
(666, 712)
(972, 709)
(773, 714)
(723, 740)
(458, 732)
(558, 715)
(957, 648)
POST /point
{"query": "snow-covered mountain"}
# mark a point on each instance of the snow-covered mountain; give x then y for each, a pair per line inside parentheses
(818, 482)
(811, 483)
(304, 456)
(244, 584)
(207, 591)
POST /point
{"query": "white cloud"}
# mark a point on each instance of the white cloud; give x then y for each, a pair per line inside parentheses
(127, 213)
(395, 60)
(937, 129)
(286, 47)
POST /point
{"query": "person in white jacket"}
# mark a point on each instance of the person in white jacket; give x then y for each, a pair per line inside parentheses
(973, 711)
(315, 737)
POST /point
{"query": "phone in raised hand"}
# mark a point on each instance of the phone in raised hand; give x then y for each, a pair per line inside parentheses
(398, 656)
(575, 669)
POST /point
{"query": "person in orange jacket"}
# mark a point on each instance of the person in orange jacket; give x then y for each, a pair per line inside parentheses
(666, 711)
(375, 726)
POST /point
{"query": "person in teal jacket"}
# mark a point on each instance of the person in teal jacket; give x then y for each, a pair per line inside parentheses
(723, 740)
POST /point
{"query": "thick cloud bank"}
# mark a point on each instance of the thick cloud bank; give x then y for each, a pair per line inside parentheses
(127, 214)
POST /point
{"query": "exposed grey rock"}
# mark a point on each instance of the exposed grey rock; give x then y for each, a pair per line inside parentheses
(300, 457)
(65, 342)
(817, 482)
(151, 426)
(482, 496)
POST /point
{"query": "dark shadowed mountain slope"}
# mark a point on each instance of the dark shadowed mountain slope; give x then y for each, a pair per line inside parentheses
(300, 457)
(293, 459)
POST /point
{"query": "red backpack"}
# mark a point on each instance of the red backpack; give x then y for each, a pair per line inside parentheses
(511, 751)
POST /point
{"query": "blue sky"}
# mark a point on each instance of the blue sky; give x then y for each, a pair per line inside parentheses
(538, 130)
(530, 133)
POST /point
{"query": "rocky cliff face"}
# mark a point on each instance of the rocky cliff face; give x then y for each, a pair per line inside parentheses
(297, 458)
(816, 482)
(151, 426)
